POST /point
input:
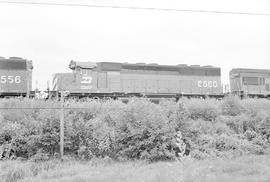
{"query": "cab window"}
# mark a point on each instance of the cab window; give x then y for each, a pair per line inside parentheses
(250, 81)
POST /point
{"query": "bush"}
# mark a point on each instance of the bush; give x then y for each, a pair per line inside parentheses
(138, 129)
(239, 124)
(203, 109)
(255, 106)
(232, 106)
(264, 128)
(40, 156)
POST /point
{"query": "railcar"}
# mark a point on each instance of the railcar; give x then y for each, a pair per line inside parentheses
(150, 80)
(15, 77)
(250, 82)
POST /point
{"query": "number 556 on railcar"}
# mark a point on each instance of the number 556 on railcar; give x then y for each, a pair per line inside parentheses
(15, 77)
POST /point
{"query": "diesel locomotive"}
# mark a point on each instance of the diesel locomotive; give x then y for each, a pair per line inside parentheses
(150, 80)
(250, 82)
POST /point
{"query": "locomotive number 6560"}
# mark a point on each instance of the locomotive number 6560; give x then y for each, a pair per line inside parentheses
(10, 79)
(207, 83)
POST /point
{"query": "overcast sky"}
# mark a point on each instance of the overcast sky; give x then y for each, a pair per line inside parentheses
(51, 36)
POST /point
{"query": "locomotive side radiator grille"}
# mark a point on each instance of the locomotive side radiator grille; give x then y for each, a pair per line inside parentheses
(113, 80)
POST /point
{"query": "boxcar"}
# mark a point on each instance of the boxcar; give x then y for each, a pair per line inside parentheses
(15, 76)
(112, 78)
(250, 82)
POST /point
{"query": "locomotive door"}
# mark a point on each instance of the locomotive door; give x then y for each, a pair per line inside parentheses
(102, 81)
(267, 85)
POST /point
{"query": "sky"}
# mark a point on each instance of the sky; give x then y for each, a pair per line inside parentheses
(51, 36)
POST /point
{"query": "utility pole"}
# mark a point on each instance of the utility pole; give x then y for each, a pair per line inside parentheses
(28, 87)
(62, 123)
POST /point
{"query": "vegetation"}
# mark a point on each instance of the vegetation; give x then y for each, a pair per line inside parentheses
(109, 139)
(139, 129)
(248, 169)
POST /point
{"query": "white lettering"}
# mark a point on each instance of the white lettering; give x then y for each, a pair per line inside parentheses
(199, 83)
(86, 87)
(215, 84)
(207, 83)
(10, 79)
(3, 79)
(204, 83)
(18, 79)
(210, 84)
(86, 80)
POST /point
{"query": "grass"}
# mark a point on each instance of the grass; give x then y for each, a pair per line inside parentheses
(243, 169)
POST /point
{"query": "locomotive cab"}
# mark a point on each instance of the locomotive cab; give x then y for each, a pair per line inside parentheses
(250, 82)
(85, 76)
(91, 77)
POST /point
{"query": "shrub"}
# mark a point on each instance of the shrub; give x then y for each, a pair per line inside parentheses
(203, 109)
(138, 129)
(264, 127)
(143, 131)
(231, 106)
(40, 156)
(255, 106)
(239, 124)
(179, 117)
(222, 128)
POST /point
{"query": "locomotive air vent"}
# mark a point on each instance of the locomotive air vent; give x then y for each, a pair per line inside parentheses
(15, 58)
(140, 63)
(208, 66)
(182, 65)
(82, 65)
(153, 64)
(2, 57)
(195, 65)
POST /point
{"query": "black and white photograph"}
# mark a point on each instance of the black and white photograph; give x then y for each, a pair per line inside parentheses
(134, 90)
